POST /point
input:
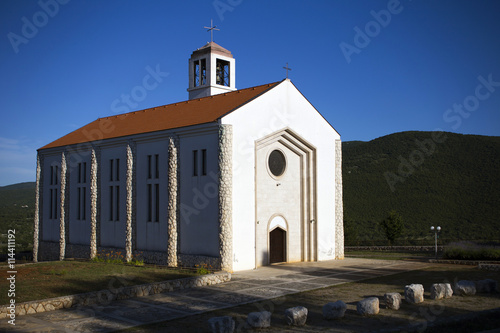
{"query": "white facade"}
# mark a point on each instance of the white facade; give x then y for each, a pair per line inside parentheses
(279, 109)
(257, 185)
(112, 196)
(79, 197)
(51, 211)
(151, 185)
(199, 231)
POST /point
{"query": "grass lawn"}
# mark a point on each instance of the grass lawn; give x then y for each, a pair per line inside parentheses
(429, 316)
(60, 278)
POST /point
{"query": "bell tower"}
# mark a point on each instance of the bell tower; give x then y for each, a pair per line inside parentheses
(211, 71)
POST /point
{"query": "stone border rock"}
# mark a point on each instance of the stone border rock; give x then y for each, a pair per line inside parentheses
(465, 288)
(486, 286)
(441, 290)
(259, 319)
(368, 306)
(334, 310)
(392, 300)
(414, 293)
(225, 324)
(107, 296)
(296, 316)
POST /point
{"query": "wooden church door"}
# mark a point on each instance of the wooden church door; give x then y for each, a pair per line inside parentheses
(277, 245)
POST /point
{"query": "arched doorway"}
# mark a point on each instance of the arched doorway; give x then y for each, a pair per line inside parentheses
(285, 186)
(277, 245)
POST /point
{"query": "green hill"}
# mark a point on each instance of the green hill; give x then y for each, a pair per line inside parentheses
(452, 181)
(17, 208)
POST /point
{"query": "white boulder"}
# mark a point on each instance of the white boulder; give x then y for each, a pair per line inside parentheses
(334, 310)
(368, 306)
(392, 300)
(414, 293)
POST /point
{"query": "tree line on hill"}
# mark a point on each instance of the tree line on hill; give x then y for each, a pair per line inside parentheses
(17, 211)
(429, 179)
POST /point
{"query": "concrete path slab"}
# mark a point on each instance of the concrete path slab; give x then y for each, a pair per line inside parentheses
(245, 287)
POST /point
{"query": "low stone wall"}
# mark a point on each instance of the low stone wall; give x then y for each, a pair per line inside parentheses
(464, 262)
(489, 267)
(416, 248)
(107, 296)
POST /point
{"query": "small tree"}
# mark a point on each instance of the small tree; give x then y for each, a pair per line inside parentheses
(351, 234)
(393, 226)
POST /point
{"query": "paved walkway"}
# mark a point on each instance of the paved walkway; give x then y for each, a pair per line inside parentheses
(244, 287)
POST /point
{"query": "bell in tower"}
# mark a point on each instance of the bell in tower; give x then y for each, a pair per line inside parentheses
(211, 71)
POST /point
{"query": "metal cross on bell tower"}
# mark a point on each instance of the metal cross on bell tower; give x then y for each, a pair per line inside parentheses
(287, 69)
(211, 28)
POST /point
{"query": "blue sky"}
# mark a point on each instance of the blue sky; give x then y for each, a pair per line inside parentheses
(371, 68)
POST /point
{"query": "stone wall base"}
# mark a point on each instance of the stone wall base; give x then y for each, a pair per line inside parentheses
(189, 260)
(111, 252)
(77, 251)
(48, 251)
(151, 257)
(104, 297)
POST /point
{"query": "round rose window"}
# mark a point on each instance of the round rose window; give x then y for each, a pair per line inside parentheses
(277, 163)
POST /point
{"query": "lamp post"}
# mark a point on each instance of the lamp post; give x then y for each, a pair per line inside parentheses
(436, 230)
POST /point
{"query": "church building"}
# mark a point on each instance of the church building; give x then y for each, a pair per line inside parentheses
(234, 179)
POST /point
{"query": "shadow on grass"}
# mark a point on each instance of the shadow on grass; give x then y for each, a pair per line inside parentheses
(54, 279)
(126, 277)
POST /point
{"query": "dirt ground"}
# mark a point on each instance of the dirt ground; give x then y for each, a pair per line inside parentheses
(456, 314)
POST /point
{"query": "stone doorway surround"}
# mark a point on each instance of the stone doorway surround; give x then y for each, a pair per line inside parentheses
(298, 189)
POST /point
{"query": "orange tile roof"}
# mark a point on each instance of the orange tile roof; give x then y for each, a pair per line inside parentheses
(176, 115)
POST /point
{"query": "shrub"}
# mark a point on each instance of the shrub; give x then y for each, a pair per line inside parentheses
(470, 251)
(136, 262)
(203, 269)
(98, 259)
(392, 226)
